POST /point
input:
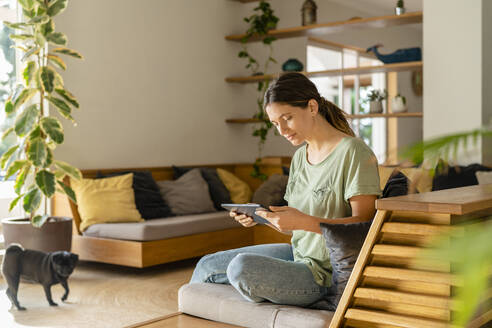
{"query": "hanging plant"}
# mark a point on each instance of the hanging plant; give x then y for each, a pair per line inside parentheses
(36, 132)
(262, 21)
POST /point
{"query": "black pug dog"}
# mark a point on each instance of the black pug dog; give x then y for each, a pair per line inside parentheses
(45, 268)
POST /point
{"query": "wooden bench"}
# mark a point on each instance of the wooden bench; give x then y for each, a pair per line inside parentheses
(142, 254)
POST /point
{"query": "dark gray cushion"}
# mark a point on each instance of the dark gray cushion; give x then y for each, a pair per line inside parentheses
(218, 191)
(272, 191)
(344, 242)
(187, 195)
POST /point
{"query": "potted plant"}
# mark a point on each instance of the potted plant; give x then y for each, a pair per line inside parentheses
(400, 8)
(399, 104)
(375, 98)
(259, 25)
(37, 133)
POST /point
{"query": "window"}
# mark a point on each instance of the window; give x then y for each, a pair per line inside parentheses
(8, 71)
(350, 91)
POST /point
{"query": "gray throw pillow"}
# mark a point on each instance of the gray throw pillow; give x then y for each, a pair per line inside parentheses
(344, 242)
(272, 191)
(188, 194)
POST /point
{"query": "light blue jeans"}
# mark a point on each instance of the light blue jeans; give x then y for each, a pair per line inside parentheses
(262, 273)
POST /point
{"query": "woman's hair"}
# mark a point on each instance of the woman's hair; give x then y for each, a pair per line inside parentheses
(296, 90)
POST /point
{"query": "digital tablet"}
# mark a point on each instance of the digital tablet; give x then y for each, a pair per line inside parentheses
(248, 209)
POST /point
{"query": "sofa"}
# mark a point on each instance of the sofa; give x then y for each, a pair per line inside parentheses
(224, 304)
(163, 240)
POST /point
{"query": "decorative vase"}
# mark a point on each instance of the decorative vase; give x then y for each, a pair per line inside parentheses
(398, 105)
(54, 235)
(309, 12)
(292, 65)
(375, 107)
(399, 11)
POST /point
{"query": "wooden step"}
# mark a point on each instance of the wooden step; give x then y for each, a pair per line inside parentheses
(412, 275)
(377, 317)
(403, 298)
(396, 251)
(417, 229)
(416, 287)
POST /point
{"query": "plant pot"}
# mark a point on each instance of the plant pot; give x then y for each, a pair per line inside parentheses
(399, 11)
(54, 235)
(375, 107)
(398, 106)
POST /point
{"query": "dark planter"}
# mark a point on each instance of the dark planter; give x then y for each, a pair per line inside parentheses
(54, 235)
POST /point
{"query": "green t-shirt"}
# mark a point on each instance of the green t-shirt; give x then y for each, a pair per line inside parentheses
(323, 190)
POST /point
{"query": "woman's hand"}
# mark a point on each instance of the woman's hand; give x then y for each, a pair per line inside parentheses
(284, 218)
(244, 219)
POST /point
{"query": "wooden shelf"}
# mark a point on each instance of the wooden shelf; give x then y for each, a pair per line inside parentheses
(326, 28)
(349, 116)
(407, 66)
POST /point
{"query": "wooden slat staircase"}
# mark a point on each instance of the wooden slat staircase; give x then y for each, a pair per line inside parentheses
(391, 285)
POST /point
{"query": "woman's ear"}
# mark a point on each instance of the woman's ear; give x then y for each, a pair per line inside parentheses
(313, 106)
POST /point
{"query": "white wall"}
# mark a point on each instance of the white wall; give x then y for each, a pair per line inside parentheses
(152, 87)
(457, 69)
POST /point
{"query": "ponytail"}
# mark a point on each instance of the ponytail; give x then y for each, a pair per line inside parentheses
(334, 115)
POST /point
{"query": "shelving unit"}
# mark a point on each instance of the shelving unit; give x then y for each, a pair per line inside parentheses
(333, 27)
(398, 67)
(359, 116)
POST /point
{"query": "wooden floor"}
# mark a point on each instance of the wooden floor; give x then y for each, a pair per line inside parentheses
(104, 295)
(181, 320)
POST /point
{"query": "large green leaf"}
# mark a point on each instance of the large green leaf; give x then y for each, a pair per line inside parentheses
(47, 76)
(21, 178)
(45, 180)
(27, 4)
(57, 38)
(68, 191)
(7, 132)
(47, 28)
(14, 167)
(57, 61)
(26, 120)
(57, 7)
(62, 107)
(6, 156)
(32, 200)
(18, 26)
(68, 52)
(14, 202)
(68, 96)
(43, 19)
(52, 127)
(35, 133)
(21, 37)
(37, 152)
(29, 72)
(24, 96)
(39, 220)
(71, 171)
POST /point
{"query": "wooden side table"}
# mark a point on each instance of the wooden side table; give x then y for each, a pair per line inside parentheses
(391, 284)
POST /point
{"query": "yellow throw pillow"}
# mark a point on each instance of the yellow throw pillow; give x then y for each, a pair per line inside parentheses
(238, 189)
(384, 175)
(106, 200)
(420, 177)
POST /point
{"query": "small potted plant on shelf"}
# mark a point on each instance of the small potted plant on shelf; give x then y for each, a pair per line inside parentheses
(399, 104)
(400, 8)
(36, 132)
(375, 99)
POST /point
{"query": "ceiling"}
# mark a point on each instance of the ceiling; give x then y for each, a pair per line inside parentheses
(380, 7)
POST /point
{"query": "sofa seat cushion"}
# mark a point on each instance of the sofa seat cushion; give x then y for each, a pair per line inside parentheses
(163, 228)
(224, 304)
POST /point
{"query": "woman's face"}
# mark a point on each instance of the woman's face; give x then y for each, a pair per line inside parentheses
(293, 123)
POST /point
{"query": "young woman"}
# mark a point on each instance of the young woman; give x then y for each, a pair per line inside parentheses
(333, 178)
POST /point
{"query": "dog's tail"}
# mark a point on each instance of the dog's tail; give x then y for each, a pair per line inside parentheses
(14, 248)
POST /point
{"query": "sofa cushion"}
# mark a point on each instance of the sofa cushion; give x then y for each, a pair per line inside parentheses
(147, 195)
(217, 189)
(105, 200)
(238, 189)
(223, 303)
(484, 177)
(164, 228)
(272, 191)
(456, 176)
(188, 194)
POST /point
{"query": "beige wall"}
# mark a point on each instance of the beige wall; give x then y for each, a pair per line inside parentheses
(152, 88)
(457, 70)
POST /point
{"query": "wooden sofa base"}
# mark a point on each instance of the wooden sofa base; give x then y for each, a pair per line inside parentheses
(144, 254)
